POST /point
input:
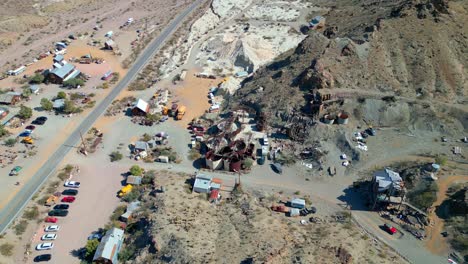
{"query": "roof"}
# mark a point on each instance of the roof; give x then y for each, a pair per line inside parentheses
(110, 42)
(142, 105)
(59, 103)
(34, 88)
(141, 145)
(58, 58)
(7, 97)
(214, 194)
(131, 207)
(387, 178)
(110, 245)
(136, 180)
(74, 74)
(63, 71)
(298, 201)
(202, 181)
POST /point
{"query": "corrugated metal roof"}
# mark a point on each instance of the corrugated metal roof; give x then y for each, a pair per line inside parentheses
(136, 180)
(74, 74)
(63, 71)
(110, 245)
(141, 145)
(58, 58)
(142, 105)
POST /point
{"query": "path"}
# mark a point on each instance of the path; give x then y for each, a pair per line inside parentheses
(18, 203)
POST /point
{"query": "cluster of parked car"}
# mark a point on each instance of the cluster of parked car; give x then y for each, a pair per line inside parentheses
(59, 210)
(26, 134)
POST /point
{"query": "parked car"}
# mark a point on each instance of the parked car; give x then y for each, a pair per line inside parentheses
(163, 119)
(49, 237)
(58, 213)
(25, 133)
(52, 228)
(390, 229)
(68, 199)
(30, 127)
(72, 184)
(43, 257)
(45, 246)
(51, 219)
(70, 192)
(15, 170)
(95, 235)
(61, 206)
(40, 120)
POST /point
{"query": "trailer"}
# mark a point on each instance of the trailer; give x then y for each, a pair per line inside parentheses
(17, 71)
(107, 75)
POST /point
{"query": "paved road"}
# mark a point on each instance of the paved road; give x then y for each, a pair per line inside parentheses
(16, 205)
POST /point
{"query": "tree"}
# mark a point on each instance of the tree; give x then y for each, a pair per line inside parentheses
(73, 82)
(46, 104)
(146, 137)
(10, 142)
(441, 160)
(61, 95)
(70, 108)
(25, 112)
(26, 92)
(37, 78)
(136, 170)
(91, 247)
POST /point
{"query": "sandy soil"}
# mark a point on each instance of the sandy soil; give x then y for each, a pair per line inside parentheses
(436, 243)
(193, 93)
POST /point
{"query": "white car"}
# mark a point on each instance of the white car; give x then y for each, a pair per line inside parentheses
(52, 228)
(72, 184)
(45, 246)
(49, 237)
(265, 141)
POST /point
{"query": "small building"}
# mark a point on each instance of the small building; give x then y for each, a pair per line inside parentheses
(141, 146)
(35, 89)
(134, 180)
(387, 181)
(10, 98)
(63, 73)
(140, 108)
(59, 104)
(109, 34)
(163, 159)
(202, 183)
(109, 44)
(131, 208)
(109, 248)
(298, 203)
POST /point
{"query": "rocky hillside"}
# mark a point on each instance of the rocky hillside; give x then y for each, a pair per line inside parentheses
(411, 52)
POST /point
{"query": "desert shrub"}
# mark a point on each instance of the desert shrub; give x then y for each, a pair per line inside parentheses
(118, 212)
(10, 142)
(115, 156)
(441, 160)
(32, 213)
(6, 249)
(20, 227)
(37, 78)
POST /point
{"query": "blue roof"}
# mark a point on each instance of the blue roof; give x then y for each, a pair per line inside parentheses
(63, 71)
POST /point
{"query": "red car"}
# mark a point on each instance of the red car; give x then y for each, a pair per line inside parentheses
(51, 220)
(68, 199)
(198, 129)
(390, 229)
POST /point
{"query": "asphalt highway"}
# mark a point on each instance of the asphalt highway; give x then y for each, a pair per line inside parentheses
(19, 201)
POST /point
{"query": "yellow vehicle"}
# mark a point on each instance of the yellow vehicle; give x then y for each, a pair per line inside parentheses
(165, 110)
(125, 190)
(181, 112)
(28, 140)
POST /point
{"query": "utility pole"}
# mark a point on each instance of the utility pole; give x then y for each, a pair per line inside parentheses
(83, 144)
